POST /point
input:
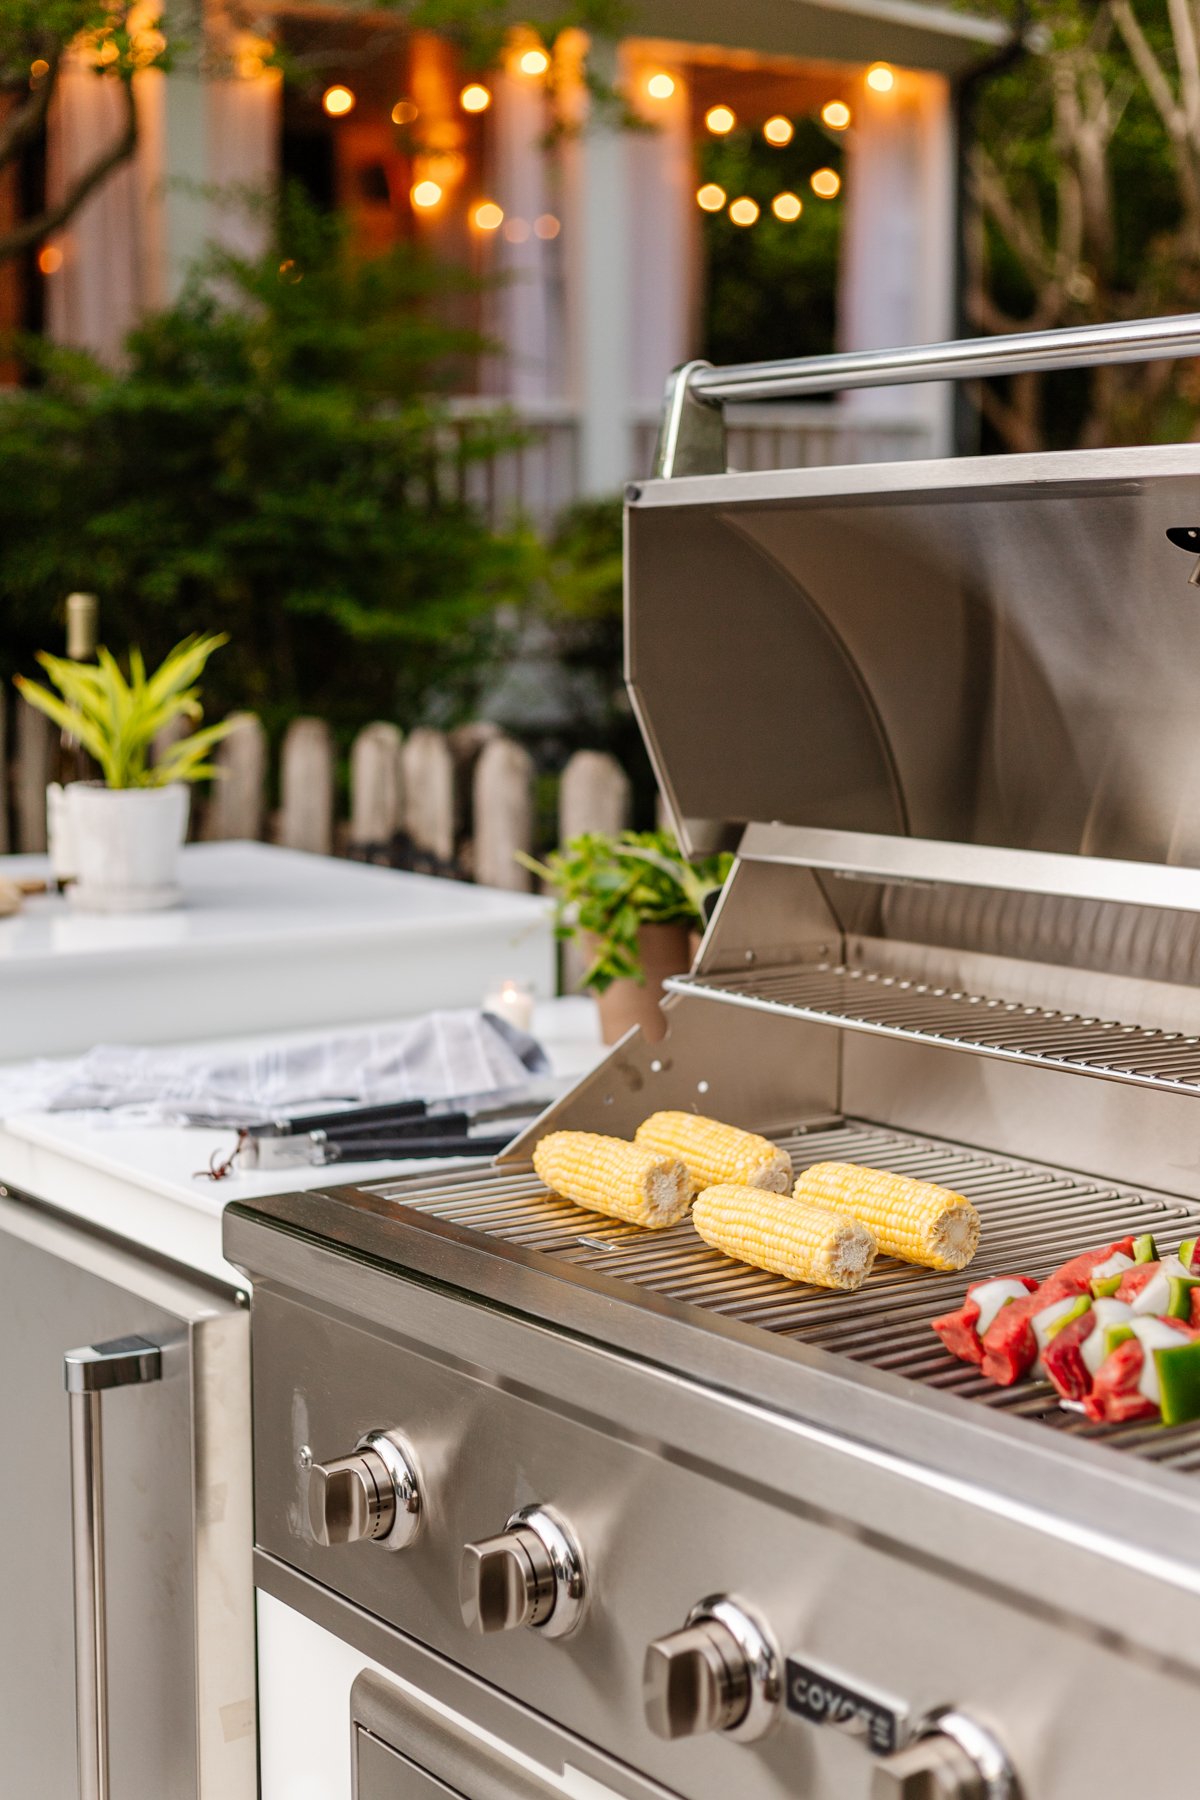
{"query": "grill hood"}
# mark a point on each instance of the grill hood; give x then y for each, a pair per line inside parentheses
(998, 652)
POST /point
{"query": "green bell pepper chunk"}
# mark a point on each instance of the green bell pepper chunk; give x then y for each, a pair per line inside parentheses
(1146, 1250)
(1179, 1382)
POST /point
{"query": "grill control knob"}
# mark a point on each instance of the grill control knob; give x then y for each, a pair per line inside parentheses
(720, 1673)
(373, 1495)
(531, 1574)
(956, 1759)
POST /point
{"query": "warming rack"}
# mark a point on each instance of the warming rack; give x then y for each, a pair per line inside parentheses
(1034, 1217)
(864, 999)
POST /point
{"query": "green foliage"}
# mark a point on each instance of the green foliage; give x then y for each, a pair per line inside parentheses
(771, 288)
(117, 720)
(606, 888)
(271, 461)
(1085, 178)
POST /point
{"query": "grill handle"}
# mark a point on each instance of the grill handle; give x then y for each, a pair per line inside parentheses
(122, 1362)
(691, 437)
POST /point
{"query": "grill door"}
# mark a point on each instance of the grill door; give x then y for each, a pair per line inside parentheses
(404, 1750)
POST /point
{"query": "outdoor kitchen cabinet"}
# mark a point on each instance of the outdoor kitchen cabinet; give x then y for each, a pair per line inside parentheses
(175, 1539)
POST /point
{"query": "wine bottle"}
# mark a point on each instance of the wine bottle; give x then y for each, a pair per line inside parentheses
(74, 763)
(83, 625)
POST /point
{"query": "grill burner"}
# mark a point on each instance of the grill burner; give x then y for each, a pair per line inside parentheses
(1034, 1217)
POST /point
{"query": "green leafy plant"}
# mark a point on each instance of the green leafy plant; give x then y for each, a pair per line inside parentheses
(607, 888)
(116, 720)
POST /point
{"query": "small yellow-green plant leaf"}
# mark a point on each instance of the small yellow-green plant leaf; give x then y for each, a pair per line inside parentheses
(69, 719)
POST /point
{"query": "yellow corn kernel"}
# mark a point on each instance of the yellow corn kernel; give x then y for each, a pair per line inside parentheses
(611, 1175)
(716, 1153)
(785, 1235)
(915, 1220)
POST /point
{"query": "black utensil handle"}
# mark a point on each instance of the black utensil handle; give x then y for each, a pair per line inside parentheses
(410, 1148)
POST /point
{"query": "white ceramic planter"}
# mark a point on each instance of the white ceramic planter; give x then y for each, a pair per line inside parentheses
(125, 844)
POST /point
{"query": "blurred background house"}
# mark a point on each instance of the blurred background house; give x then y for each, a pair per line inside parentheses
(788, 182)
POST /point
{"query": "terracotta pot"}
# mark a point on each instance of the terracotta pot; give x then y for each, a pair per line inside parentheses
(665, 950)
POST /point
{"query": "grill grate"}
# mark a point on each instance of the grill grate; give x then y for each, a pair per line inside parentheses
(1034, 1217)
(868, 1000)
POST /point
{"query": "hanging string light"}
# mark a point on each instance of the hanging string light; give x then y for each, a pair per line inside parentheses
(779, 131)
(787, 207)
(427, 194)
(403, 113)
(825, 183)
(487, 216)
(744, 211)
(533, 62)
(338, 101)
(475, 98)
(720, 119)
(660, 85)
(835, 114)
(710, 198)
(881, 77)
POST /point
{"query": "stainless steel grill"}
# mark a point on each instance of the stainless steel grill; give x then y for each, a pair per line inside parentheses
(1033, 1219)
(867, 1000)
(958, 757)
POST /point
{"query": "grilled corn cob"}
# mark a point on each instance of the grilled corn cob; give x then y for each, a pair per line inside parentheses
(716, 1153)
(786, 1235)
(915, 1220)
(611, 1175)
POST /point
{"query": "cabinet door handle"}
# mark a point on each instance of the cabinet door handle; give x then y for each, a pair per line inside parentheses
(121, 1362)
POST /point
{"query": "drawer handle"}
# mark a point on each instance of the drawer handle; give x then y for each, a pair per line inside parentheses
(88, 1372)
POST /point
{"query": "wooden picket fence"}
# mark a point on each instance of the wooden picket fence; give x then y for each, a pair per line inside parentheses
(460, 802)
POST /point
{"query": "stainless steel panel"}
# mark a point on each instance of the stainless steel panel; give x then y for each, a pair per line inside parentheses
(180, 1595)
(773, 1518)
(1004, 664)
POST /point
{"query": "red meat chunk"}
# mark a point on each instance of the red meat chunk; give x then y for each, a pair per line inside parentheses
(958, 1330)
(1063, 1361)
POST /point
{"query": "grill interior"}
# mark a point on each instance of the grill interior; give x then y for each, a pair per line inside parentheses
(868, 1000)
(1034, 1217)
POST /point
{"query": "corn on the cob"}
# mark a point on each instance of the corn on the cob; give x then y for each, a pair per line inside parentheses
(786, 1235)
(716, 1153)
(611, 1175)
(915, 1220)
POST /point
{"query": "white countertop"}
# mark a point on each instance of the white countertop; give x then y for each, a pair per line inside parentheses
(143, 1182)
(267, 939)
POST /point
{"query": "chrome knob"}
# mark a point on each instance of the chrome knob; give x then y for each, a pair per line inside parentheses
(720, 1673)
(373, 1495)
(956, 1759)
(531, 1574)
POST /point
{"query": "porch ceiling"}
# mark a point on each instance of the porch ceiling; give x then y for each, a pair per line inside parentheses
(843, 31)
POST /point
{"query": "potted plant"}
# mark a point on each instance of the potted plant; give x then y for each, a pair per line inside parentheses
(638, 903)
(126, 830)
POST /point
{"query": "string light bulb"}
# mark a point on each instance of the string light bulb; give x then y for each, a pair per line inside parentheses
(744, 211)
(835, 114)
(338, 101)
(825, 183)
(488, 216)
(427, 194)
(881, 77)
(720, 119)
(50, 259)
(710, 198)
(38, 69)
(534, 62)
(660, 86)
(787, 207)
(546, 226)
(475, 98)
(403, 113)
(779, 131)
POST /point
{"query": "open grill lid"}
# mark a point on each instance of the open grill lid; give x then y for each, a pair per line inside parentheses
(1001, 651)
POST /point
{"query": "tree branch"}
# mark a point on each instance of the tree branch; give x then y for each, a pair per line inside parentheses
(1021, 231)
(22, 237)
(25, 121)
